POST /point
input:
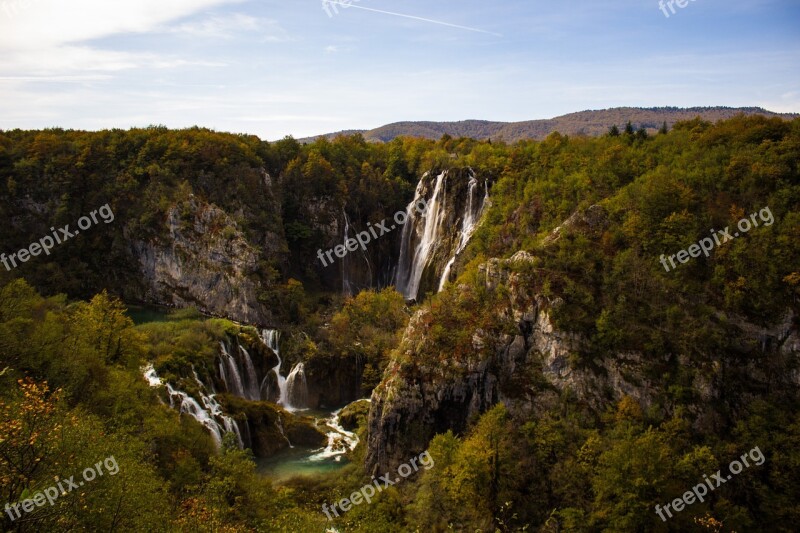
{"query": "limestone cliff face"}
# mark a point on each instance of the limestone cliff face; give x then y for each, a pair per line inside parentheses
(415, 402)
(204, 260)
(531, 368)
(333, 382)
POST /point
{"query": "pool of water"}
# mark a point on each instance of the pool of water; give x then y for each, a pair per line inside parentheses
(297, 461)
(307, 461)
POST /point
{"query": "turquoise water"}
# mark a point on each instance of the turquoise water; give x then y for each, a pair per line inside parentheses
(295, 462)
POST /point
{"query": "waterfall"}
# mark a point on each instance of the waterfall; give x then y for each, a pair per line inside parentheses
(251, 376)
(469, 222)
(188, 405)
(294, 389)
(413, 262)
(297, 387)
(212, 406)
(427, 240)
(340, 441)
(150, 375)
(346, 288)
(229, 372)
(272, 338)
(239, 373)
(349, 287)
(209, 414)
(279, 424)
(247, 439)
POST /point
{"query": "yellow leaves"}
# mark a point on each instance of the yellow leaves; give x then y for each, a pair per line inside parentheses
(793, 279)
(709, 522)
(628, 409)
(26, 426)
(736, 212)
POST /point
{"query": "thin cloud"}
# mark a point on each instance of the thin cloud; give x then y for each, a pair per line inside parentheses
(413, 17)
(230, 27)
(334, 48)
(54, 22)
(57, 79)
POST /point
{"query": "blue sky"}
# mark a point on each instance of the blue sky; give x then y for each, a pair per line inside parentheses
(274, 68)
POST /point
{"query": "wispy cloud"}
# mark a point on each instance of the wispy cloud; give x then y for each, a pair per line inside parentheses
(50, 38)
(54, 22)
(230, 27)
(413, 17)
(224, 63)
(336, 48)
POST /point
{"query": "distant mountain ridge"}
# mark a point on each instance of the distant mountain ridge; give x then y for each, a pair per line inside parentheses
(589, 123)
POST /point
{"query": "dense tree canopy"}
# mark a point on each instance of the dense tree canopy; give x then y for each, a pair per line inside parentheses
(71, 358)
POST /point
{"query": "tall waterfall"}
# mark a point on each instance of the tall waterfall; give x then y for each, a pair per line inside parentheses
(251, 376)
(293, 390)
(347, 290)
(209, 414)
(429, 242)
(229, 372)
(350, 286)
(469, 222)
(239, 373)
(414, 260)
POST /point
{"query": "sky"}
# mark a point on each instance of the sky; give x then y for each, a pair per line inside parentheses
(303, 67)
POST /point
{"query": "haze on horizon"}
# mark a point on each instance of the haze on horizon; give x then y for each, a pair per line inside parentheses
(288, 68)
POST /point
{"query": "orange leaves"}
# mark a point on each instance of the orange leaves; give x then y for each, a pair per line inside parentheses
(25, 430)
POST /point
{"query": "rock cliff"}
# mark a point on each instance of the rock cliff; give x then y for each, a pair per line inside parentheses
(532, 366)
(204, 260)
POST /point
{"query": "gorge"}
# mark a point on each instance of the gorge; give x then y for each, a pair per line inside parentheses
(429, 246)
(520, 329)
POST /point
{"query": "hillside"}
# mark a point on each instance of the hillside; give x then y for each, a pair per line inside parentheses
(590, 123)
(523, 343)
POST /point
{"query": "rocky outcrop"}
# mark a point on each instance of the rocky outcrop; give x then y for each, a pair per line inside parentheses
(205, 261)
(590, 222)
(267, 429)
(529, 370)
(333, 382)
(355, 415)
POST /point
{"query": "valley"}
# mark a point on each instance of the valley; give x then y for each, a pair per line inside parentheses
(520, 329)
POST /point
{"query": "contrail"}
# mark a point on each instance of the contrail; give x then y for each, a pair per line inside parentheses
(441, 23)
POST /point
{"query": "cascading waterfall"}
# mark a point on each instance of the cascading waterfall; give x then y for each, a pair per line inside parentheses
(279, 423)
(239, 373)
(347, 289)
(272, 338)
(469, 222)
(340, 441)
(422, 237)
(348, 286)
(209, 414)
(229, 372)
(412, 263)
(299, 397)
(251, 376)
(247, 439)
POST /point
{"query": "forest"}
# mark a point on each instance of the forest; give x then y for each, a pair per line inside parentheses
(714, 342)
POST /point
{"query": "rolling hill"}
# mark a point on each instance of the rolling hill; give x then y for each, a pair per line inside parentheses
(589, 123)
